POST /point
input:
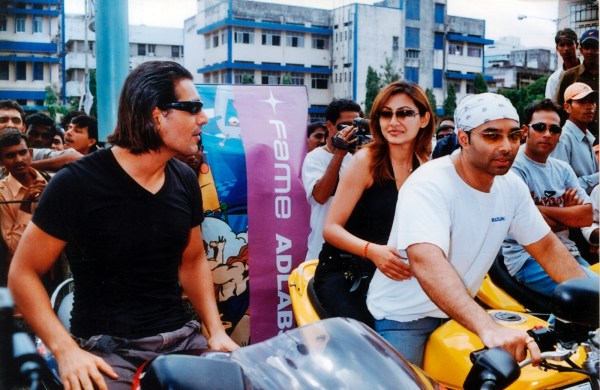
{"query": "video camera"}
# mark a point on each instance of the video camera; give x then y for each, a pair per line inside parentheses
(363, 135)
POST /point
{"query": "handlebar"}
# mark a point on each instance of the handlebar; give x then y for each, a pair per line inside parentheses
(557, 356)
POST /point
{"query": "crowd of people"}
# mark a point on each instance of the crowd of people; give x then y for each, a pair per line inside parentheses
(404, 232)
(403, 249)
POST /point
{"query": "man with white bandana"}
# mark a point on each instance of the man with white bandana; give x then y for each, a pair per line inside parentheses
(451, 218)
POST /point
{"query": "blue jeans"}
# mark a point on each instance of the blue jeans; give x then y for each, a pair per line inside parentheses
(533, 276)
(409, 338)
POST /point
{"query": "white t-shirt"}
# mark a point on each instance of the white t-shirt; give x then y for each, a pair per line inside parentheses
(313, 168)
(436, 206)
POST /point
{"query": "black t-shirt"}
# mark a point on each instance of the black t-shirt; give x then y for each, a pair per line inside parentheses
(124, 244)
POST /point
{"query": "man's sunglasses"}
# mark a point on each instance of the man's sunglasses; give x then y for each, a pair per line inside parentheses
(192, 106)
(541, 128)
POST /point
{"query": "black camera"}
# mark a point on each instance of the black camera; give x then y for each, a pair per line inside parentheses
(362, 134)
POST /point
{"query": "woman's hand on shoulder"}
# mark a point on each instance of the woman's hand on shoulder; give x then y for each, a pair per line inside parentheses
(390, 262)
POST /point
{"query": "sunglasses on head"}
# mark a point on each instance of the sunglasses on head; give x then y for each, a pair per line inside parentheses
(541, 128)
(399, 114)
(191, 106)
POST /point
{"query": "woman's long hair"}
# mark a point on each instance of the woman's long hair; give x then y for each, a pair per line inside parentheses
(380, 168)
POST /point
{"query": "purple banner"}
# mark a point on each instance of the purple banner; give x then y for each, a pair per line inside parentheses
(272, 121)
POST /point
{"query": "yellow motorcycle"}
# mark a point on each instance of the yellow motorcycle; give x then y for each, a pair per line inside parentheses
(570, 350)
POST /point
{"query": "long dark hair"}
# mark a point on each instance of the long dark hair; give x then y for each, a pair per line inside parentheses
(150, 85)
(379, 147)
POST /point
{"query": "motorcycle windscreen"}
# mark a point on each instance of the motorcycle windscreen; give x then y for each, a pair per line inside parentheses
(330, 354)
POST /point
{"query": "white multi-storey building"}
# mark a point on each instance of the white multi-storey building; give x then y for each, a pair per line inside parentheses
(329, 51)
(145, 43)
(30, 39)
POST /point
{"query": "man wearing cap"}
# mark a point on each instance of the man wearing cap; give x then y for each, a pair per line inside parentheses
(555, 191)
(586, 72)
(566, 46)
(452, 216)
(575, 145)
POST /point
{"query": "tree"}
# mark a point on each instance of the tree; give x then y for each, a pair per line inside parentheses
(286, 79)
(479, 84)
(51, 101)
(247, 78)
(521, 98)
(432, 100)
(450, 101)
(390, 74)
(373, 84)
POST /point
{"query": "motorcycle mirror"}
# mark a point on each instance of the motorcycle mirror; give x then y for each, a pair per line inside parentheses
(576, 301)
(492, 369)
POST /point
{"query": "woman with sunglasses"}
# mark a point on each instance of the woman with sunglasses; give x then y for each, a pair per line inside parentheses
(359, 221)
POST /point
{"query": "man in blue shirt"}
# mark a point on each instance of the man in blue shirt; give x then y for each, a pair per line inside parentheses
(576, 142)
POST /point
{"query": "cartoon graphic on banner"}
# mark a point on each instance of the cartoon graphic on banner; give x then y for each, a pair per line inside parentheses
(256, 219)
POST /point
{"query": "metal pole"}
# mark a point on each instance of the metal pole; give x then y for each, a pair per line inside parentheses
(112, 49)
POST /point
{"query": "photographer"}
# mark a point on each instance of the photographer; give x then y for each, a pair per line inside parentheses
(360, 218)
(322, 166)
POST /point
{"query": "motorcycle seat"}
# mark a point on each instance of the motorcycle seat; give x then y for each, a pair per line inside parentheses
(532, 300)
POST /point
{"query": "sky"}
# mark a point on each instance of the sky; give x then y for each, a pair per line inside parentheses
(536, 30)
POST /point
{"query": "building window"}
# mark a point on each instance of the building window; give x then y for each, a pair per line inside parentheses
(141, 49)
(271, 38)
(243, 35)
(38, 70)
(36, 24)
(270, 77)
(438, 41)
(412, 54)
(243, 77)
(320, 42)
(440, 9)
(412, 38)
(294, 39)
(3, 70)
(296, 78)
(437, 79)
(474, 51)
(3, 22)
(151, 50)
(215, 40)
(21, 70)
(19, 23)
(583, 12)
(470, 88)
(455, 49)
(411, 74)
(319, 81)
(175, 52)
(413, 9)
(207, 41)
(395, 43)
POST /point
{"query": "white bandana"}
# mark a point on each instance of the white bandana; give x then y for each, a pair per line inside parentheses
(475, 110)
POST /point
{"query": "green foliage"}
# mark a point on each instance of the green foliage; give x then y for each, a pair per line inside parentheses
(247, 78)
(431, 98)
(286, 79)
(94, 108)
(373, 84)
(450, 101)
(479, 84)
(390, 74)
(51, 101)
(521, 98)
